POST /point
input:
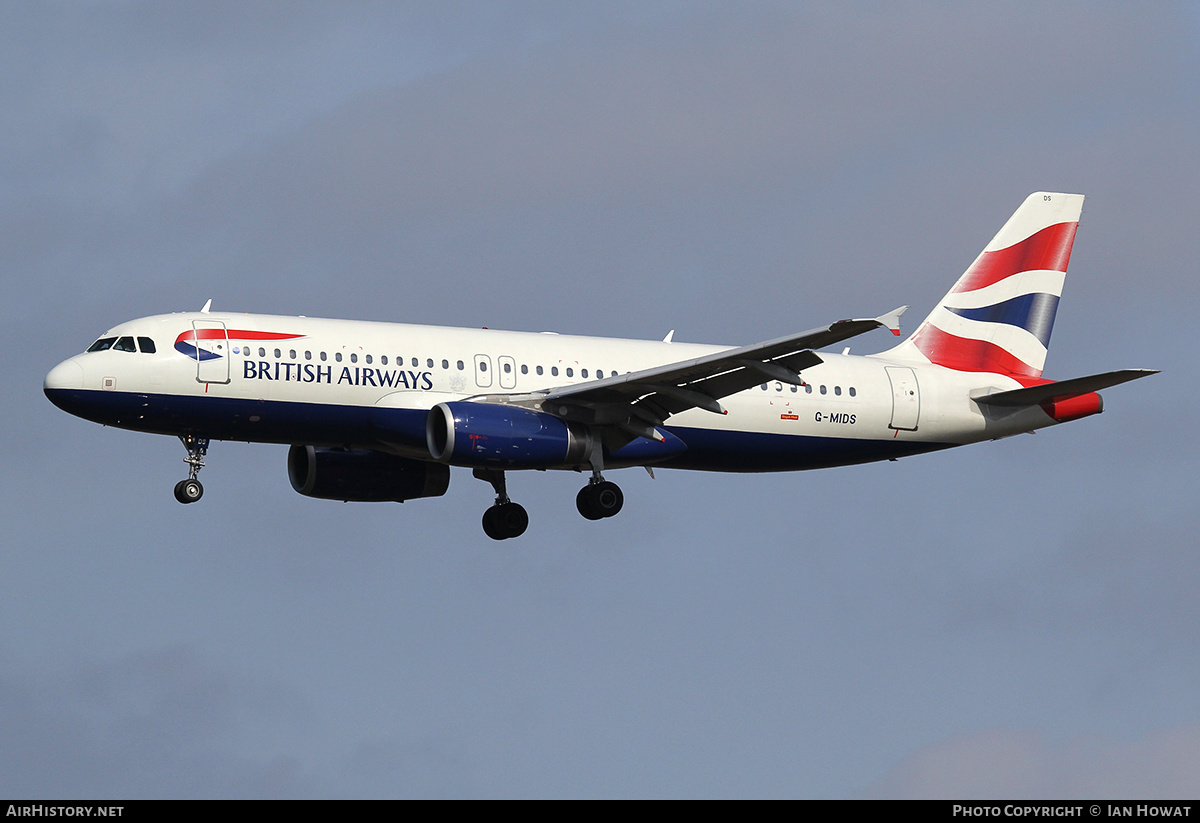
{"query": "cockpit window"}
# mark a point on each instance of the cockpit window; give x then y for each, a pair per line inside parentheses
(146, 345)
(124, 344)
(103, 344)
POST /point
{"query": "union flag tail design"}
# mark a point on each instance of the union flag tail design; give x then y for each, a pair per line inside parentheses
(999, 315)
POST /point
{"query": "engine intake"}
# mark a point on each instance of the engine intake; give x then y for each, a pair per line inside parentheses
(488, 434)
(360, 475)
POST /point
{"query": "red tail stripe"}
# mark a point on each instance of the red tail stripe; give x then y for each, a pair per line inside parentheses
(964, 354)
(1048, 249)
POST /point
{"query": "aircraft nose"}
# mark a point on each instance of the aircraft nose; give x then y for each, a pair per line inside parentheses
(66, 375)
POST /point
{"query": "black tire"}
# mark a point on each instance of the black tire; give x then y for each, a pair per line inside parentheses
(585, 503)
(188, 491)
(513, 519)
(609, 498)
(490, 527)
(596, 501)
(505, 520)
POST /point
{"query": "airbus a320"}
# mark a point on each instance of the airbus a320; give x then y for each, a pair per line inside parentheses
(382, 411)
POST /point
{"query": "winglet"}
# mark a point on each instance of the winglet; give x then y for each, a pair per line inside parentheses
(207, 306)
(670, 335)
(891, 320)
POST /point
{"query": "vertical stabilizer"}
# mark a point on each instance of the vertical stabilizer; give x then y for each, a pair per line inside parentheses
(999, 315)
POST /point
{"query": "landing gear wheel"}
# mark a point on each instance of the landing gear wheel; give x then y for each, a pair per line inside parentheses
(596, 501)
(188, 491)
(505, 520)
(583, 502)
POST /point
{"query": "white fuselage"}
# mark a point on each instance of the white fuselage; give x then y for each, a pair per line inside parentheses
(309, 380)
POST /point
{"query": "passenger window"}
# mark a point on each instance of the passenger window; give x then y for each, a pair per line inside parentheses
(429, 363)
(808, 388)
(852, 392)
(460, 365)
(446, 364)
(277, 354)
(337, 356)
(322, 357)
(103, 344)
(353, 357)
(763, 387)
(583, 372)
(262, 352)
(538, 370)
(793, 389)
(308, 355)
(837, 390)
(383, 359)
(125, 344)
(554, 371)
(415, 362)
(146, 345)
(823, 390)
(483, 365)
(524, 369)
(292, 354)
(508, 368)
(368, 359)
(570, 372)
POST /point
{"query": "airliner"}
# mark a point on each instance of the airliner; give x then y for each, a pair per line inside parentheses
(382, 411)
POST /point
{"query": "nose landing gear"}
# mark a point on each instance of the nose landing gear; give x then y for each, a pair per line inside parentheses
(190, 490)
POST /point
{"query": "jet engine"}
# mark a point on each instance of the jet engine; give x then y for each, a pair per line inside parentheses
(505, 437)
(361, 475)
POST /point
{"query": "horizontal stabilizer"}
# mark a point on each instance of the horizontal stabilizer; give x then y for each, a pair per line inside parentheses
(1063, 389)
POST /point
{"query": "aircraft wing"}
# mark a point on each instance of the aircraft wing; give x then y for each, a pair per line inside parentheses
(638, 401)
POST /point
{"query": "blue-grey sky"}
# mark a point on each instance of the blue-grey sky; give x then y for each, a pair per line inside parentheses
(1009, 619)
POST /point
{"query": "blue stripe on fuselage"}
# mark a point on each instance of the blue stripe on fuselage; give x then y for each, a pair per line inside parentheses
(273, 421)
(737, 451)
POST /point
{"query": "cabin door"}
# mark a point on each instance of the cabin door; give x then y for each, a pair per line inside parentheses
(212, 351)
(906, 398)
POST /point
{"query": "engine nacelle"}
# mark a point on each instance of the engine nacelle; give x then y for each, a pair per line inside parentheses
(359, 475)
(488, 434)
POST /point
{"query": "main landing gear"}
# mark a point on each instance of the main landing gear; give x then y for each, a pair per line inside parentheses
(600, 498)
(504, 519)
(190, 490)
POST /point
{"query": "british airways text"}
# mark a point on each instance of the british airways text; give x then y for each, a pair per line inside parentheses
(357, 376)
